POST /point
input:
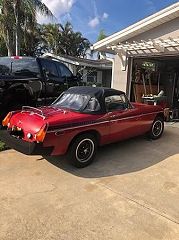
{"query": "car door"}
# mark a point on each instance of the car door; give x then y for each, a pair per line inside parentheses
(124, 121)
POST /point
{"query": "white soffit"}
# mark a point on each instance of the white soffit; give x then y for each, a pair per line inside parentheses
(144, 25)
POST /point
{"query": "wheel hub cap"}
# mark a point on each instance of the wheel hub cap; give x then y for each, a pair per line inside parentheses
(85, 150)
(157, 128)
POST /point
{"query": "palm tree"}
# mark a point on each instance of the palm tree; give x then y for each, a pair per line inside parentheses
(80, 45)
(18, 11)
(7, 24)
(65, 38)
(51, 37)
(72, 43)
(61, 39)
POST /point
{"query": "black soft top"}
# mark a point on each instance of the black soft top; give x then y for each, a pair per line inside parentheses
(97, 92)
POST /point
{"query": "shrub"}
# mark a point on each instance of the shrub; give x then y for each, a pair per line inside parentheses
(3, 146)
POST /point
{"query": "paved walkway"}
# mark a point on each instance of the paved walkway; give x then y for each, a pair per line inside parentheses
(130, 192)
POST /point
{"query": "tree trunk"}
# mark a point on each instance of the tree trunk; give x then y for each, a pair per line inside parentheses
(9, 52)
(9, 43)
(7, 32)
(17, 33)
(17, 39)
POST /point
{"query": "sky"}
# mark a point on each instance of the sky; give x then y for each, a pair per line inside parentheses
(91, 16)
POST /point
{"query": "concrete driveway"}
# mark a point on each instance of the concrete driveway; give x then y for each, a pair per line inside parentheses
(130, 192)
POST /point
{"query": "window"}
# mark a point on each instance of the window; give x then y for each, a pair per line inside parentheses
(50, 68)
(65, 72)
(22, 67)
(93, 105)
(92, 77)
(71, 101)
(116, 102)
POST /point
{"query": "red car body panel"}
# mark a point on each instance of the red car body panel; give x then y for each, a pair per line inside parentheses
(65, 125)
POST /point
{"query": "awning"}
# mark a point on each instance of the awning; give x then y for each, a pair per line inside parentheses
(143, 48)
(150, 47)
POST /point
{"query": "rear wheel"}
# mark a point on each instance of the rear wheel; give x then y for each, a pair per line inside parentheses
(83, 150)
(157, 128)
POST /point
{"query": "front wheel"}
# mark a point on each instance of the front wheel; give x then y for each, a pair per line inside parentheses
(157, 128)
(82, 151)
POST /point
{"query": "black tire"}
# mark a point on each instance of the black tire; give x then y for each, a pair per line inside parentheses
(82, 150)
(157, 128)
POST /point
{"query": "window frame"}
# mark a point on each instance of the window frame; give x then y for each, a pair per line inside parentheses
(128, 104)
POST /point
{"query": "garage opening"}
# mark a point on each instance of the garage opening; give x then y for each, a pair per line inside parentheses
(155, 80)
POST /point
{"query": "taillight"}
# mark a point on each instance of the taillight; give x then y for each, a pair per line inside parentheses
(7, 119)
(41, 134)
(16, 57)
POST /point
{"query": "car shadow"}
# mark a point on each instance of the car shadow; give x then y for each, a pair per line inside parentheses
(124, 157)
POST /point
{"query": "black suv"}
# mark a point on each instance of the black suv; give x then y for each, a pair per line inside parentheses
(32, 81)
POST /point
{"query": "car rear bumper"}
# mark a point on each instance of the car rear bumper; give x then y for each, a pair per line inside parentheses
(28, 148)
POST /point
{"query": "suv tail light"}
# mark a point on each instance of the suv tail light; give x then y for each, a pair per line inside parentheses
(16, 57)
(7, 119)
(39, 137)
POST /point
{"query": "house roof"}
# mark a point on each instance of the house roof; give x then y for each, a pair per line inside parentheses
(144, 25)
(101, 63)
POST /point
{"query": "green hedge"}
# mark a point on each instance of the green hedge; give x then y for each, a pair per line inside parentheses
(3, 146)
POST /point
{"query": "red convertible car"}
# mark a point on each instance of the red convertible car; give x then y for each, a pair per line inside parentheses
(79, 121)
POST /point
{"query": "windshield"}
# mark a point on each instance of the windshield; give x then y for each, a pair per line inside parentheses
(21, 67)
(72, 101)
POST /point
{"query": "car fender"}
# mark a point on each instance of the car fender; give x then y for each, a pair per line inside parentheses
(89, 131)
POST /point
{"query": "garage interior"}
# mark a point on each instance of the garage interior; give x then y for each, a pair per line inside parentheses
(155, 80)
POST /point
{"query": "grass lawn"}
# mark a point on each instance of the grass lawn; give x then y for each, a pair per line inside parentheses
(3, 146)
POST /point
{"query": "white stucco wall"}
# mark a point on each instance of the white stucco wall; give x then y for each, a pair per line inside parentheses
(119, 76)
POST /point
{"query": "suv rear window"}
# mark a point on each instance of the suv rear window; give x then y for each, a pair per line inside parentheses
(20, 67)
